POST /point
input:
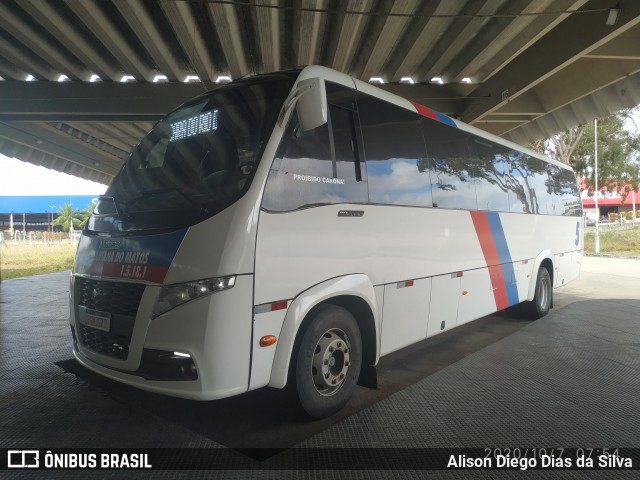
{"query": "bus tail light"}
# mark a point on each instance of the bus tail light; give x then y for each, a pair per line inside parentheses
(173, 295)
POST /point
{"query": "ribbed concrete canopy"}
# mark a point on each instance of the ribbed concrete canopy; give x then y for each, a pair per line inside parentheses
(523, 69)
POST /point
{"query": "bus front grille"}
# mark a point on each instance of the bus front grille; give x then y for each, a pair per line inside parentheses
(121, 301)
(116, 346)
(117, 298)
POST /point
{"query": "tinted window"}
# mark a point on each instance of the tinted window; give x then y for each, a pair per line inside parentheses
(529, 192)
(571, 194)
(454, 165)
(303, 175)
(344, 140)
(470, 172)
(397, 168)
(196, 161)
(491, 172)
(566, 197)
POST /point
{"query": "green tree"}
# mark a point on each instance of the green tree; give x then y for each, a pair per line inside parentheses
(85, 213)
(618, 151)
(617, 155)
(67, 217)
(562, 145)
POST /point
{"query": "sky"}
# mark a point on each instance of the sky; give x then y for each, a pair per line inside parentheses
(633, 124)
(21, 178)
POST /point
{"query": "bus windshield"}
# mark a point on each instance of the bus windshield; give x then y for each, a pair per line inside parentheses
(196, 161)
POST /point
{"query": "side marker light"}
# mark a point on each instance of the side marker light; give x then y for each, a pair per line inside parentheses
(279, 305)
(268, 340)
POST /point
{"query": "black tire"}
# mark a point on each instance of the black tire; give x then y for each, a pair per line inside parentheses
(541, 303)
(328, 361)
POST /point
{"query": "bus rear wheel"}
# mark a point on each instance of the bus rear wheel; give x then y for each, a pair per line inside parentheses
(541, 303)
(328, 361)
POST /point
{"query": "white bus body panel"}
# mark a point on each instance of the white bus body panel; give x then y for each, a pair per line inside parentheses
(264, 323)
(305, 247)
(392, 244)
(445, 295)
(388, 243)
(405, 314)
(219, 246)
(475, 296)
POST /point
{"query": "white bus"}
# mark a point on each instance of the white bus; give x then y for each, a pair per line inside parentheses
(296, 226)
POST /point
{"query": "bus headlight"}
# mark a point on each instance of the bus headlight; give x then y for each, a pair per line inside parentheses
(173, 295)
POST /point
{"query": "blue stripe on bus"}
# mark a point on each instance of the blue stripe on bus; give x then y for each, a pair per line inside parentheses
(444, 119)
(497, 232)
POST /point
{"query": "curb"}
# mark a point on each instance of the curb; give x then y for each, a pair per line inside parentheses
(606, 255)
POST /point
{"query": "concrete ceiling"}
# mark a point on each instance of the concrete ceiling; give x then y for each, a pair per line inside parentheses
(536, 67)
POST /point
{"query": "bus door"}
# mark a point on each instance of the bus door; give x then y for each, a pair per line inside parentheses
(312, 222)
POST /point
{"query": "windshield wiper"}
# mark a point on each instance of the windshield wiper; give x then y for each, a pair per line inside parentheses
(159, 191)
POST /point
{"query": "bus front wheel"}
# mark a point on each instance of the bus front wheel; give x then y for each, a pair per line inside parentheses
(328, 361)
(541, 303)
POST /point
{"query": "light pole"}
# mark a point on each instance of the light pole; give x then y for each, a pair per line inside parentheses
(52, 207)
(633, 205)
(595, 174)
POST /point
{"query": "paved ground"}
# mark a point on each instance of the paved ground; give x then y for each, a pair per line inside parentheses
(571, 379)
(605, 278)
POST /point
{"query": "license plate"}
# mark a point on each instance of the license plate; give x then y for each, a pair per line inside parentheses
(94, 318)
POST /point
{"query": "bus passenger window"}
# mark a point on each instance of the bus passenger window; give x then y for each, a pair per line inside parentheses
(493, 185)
(454, 163)
(347, 155)
(302, 173)
(564, 188)
(398, 171)
(527, 194)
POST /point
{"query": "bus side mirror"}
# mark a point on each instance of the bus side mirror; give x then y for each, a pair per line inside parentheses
(312, 104)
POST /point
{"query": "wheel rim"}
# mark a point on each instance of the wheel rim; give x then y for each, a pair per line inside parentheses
(331, 361)
(543, 292)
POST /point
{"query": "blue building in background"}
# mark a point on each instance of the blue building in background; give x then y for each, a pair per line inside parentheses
(42, 204)
(35, 212)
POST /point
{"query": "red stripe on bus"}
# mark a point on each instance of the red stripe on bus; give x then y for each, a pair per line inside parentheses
(426, 111)
(492, 258)
(499, 287)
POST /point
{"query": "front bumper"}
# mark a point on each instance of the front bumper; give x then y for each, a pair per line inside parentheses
(215, 331)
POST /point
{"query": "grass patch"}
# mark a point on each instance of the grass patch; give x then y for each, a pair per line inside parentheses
(24, 260)
(616, 242)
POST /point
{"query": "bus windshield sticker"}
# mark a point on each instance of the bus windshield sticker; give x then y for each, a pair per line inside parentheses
(316, 179)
